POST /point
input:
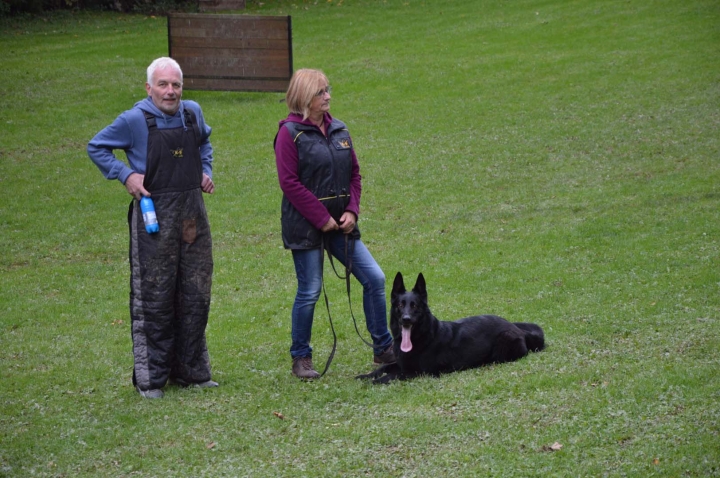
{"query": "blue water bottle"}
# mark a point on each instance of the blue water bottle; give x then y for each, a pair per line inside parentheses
(148, 211)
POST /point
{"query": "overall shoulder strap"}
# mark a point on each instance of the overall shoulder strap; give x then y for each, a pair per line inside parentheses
(150, 120)
(191, 120)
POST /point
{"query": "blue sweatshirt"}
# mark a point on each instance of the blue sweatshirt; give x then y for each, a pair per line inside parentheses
(129, 132)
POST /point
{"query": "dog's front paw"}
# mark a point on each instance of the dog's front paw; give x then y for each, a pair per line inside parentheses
(384, 380)
(366, 376)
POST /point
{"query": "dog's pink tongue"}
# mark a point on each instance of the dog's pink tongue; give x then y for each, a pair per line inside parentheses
(406, 344)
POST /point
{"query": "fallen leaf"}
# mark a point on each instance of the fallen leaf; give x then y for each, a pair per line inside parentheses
(210, 445)
(656, 461)
(554, 447)
(279, 415)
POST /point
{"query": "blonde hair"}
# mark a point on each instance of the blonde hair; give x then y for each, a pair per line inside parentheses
(304, 85)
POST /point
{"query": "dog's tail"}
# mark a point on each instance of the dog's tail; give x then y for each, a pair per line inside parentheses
(534, 336)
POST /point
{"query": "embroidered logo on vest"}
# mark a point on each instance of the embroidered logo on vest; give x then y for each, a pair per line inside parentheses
(177, 153)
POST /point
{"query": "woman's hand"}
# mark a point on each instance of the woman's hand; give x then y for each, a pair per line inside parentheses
(331, 225)
(347, 222)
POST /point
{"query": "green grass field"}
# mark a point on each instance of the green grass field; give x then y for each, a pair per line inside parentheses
(548, 161)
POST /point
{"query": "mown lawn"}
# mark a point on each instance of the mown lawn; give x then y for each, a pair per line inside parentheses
(547, 161)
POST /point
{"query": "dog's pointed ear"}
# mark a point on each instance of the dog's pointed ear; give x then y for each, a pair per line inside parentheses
(398, 286)
(420, 288)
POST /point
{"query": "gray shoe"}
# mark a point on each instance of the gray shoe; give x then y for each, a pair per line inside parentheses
(303, 368)
(388, 356)
(154, 393)
(207, 384)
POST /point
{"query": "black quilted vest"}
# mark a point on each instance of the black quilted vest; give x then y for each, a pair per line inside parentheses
(325, 168)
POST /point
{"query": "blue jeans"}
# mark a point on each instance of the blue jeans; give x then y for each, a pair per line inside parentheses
(309, 271)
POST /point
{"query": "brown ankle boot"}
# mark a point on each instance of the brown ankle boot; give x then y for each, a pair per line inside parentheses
(303, 368)
(388, 356)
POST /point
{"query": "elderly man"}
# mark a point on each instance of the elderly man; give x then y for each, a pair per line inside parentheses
(169, 155)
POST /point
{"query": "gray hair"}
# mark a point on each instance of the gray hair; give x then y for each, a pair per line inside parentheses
(160, 64)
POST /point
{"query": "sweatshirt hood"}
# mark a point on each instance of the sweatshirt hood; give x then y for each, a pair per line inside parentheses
(148, 106)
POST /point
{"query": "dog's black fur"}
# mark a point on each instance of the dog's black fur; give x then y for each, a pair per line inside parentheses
(425, 345)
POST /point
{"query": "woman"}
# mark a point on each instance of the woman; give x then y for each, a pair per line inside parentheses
(320, 179)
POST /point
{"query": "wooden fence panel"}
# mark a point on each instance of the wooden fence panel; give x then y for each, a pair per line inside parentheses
(232, 52)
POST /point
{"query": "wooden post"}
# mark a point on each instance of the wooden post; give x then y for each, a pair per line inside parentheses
(232, 52)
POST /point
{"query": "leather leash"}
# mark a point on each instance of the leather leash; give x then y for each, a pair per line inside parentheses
(349, 247)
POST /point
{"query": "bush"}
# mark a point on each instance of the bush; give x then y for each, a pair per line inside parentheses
(15, 7)
(162, 6)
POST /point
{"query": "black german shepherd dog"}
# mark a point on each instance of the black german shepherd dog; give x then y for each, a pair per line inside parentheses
(425, 345)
